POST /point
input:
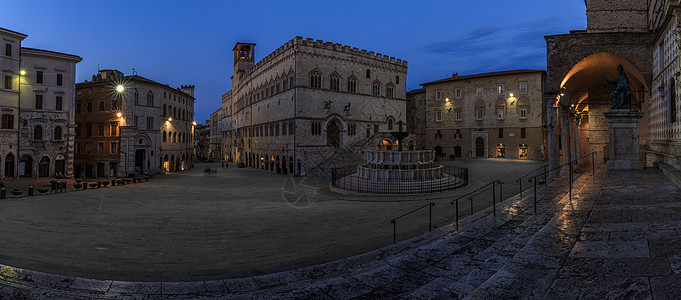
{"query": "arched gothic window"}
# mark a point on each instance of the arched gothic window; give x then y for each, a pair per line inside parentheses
(352, 84)
(165, 137)
(368, 73)
(376, 89)
(334, 82)
(150, 98)
(389, 91)
(315, 79)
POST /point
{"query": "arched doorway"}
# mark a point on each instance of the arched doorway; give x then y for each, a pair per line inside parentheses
(60, 164)
(9, 165)
(438, 151)
(26, 166)
(385, 144)
(284, 169)
(172, 163)
(278, 165)
(479, 147)
(166, 164)
(411, 145)
(333, 134)
(457, 151)
(44, 167)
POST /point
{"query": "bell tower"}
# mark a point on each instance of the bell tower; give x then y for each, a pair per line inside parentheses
(244, 57)
(616, 16)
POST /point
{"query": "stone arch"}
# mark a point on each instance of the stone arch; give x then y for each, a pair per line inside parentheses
(586, 95)
(44, 166)
(523, 101)
(386, 144)
(334, 128)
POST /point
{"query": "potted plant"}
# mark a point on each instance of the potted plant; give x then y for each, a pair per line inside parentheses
(17, 192)
(105, 183)
(92, 185)
(43, 190)
(77, 185)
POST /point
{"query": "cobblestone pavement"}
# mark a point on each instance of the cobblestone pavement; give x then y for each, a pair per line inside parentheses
(189, 226)
(618, 237)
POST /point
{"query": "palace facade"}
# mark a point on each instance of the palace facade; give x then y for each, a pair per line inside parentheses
(310, 103)
(497, 114)
(37, 107)
(131, 125)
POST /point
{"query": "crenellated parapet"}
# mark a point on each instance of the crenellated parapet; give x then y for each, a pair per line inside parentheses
(320, 44)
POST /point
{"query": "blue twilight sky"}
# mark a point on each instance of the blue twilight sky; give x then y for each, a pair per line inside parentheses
(190, 42)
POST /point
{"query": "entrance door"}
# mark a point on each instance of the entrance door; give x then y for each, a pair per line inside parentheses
(333, 134)
(26, 166)
(100, 170)
(457, 151)
(60, 166)
(479, 147)
(9, 165)
(140, 155)
(44, 167)
(438, 151)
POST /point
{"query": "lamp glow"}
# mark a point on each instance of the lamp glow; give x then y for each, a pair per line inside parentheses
(119, 115)
(511, 94)
(170, 119)
(194, 123)
(447, 99)
(22, 72)
(120, 88)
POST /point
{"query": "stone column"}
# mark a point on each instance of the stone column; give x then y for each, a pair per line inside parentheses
(624, 139)
(577, 135)
(565, 136)
(551, 131)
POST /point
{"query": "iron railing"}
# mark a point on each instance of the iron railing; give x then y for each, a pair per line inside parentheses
(476, 192)
(345, 179)
(430, 219)
(571, 166)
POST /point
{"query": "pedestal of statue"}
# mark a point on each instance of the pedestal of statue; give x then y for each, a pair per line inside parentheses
(624, 139)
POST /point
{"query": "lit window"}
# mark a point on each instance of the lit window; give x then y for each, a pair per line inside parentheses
(500, 89)
(500, 112)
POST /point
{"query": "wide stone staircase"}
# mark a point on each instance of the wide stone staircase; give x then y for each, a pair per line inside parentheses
(475, 261)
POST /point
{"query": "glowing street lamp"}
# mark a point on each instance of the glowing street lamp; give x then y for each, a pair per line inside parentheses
(119, 115)
(120, 88)
(22, 72)
(194, 123)
(170, 119)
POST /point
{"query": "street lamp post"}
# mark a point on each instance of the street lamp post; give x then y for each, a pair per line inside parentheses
(18, 159)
